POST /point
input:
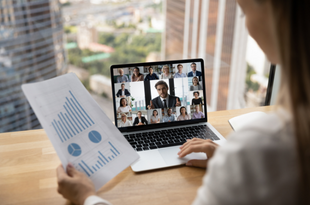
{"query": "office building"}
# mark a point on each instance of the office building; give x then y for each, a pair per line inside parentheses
(212, 30)
(31, 49)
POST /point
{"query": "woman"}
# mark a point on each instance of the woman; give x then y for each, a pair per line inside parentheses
(137, 76)
(155, 118)
(166, 74)
(183, 114)
(123, 107)
(195, 85)
(266, 162)
(196, 100)
(124, 122)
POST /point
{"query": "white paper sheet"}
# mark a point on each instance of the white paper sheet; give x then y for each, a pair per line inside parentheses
(79, 130)
(241, 121)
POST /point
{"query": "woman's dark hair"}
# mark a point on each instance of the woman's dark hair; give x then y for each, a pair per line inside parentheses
(197, 80)
(195, 92)
(291, 20)
(138, 70)
(185, 110)
(120, 102)
(155, 111)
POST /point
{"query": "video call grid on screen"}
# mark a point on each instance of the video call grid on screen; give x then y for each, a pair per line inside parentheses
(137, 102)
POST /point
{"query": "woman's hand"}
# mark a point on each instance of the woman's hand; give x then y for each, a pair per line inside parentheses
(198, 145)
(74, 186)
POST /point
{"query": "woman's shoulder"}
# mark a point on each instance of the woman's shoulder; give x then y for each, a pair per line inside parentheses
(256, 162)
(271, 131)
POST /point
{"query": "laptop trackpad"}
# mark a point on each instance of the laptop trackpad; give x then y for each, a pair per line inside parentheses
(170, 155)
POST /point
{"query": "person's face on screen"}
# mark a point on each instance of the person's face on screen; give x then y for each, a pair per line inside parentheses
(136, 71)
(139, 114)
(195, 81)
(183, 111)
(180, 68)
(196, 95)
(124, 102)
(151, 70)
(155, 113)
(121, 72)
(162, 91)
(197, 108)
(123, 87)
(169, 112)
(124, 118)
(193, 66)
(166, 70)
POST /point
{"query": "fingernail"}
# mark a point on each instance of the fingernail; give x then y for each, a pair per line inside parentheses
(70, 165)
(188, 164)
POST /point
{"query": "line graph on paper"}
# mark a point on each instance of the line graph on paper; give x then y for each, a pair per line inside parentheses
(66, 113)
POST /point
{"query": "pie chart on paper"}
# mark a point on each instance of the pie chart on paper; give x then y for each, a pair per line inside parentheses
(74, 150)
(94, 136)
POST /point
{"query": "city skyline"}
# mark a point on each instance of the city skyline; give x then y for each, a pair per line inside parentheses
(31, 50)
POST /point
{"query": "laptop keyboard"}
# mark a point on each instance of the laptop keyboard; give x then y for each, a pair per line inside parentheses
(169, 137)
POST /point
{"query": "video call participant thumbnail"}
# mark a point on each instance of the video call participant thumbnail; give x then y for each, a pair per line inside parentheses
(194, 72)
(198, 114)
(122, 78)
(179, 74)
(140, 120)
(169, 117)
(123, 107)
(123, 92)
(137, 76)
(183, 114)
(166, 74)
(124, 122)
(195, 85)
(155, 117)
(196, 100)
(164, 100)
(151, 75)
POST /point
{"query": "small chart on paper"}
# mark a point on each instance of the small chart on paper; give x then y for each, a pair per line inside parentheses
(99, 160)
(79, 130)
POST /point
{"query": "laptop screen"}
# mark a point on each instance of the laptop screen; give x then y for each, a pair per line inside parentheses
(158, 94)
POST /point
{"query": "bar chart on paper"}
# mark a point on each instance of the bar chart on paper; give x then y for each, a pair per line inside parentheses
(79, 130)
(100, 160)
(70, 119)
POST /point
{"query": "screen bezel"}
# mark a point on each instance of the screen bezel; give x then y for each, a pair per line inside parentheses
(160, 125)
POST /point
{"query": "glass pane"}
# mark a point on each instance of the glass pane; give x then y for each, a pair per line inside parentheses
(42, 39)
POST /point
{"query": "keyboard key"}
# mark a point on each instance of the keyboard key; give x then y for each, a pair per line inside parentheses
(153, 147)
(145, 148)
(169, 145)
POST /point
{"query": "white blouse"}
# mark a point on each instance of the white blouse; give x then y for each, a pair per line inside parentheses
(124, 124)
(163, 76)
(123, 109)
(257, 165)
(155, 119)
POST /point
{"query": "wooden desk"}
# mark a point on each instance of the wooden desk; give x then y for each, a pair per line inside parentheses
(28, 172)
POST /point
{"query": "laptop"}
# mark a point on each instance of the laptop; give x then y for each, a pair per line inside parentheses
(158, 106)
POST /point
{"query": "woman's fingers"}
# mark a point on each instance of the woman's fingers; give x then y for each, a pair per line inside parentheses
(191, 142)
(61, 173)
(198, 145)
(191, 149)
